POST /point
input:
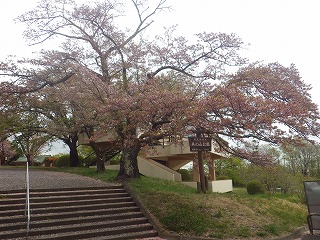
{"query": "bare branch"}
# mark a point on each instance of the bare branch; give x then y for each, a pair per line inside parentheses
(41, 86)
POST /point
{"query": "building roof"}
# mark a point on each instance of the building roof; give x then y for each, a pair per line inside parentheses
(38, 159)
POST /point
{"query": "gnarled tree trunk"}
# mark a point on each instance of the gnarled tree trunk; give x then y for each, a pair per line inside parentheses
(100, 161)
(128, 162)
(100, 150)
(72, 141)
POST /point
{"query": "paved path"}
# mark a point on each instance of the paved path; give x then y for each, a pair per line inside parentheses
(15, 178)
(307, 236)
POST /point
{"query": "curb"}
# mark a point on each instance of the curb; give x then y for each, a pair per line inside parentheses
(296, 234)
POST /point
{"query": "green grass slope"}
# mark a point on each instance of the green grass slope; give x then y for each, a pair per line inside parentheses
(234, 215)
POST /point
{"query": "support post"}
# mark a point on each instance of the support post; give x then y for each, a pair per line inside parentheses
(201, 172)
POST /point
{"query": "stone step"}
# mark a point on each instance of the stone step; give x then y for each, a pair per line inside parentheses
(109, 226)
(110, 215)
(58, 214)
(147, 235)
(150, 234)
(81, 213)
(61, 191)
(66, 208)
(112, 233)
(20, 223)
(47, 202)
(21, 199)
(57, 191)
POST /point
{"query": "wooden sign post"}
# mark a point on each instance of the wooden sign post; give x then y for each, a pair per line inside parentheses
(200, 144)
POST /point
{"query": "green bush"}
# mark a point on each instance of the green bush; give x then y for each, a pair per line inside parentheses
(63, 161)
(222, 177)
(115, 160)
(273, 178)
(231, 167)
(237, 180)
(254, 187)
(185, 174)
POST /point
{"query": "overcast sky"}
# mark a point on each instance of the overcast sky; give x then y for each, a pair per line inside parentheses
(284, 31)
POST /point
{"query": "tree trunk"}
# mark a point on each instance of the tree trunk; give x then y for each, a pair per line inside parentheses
(100, 161)
(2, 155)
(201, 172)
(128, 162)
(29, 159)
(74, 156)
(99, 150)
(72, 144)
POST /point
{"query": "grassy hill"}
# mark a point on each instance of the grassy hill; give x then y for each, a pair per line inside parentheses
(235, 215)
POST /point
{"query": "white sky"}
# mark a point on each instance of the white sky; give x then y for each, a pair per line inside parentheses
(284, 31)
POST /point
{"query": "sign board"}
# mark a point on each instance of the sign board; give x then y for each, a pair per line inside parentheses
(199, 144)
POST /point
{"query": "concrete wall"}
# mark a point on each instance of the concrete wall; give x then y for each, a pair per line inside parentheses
(103, 137)
(219, 186)
(175, 149)
(112, 167)
(151, 168)
(169, 150)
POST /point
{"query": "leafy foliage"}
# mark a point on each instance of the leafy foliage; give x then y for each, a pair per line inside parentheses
(303, 158)
(273, 178)
(230, 169)
(63, 161)
(254, 187)
(86, 155)
(7, 152)
(185, 174)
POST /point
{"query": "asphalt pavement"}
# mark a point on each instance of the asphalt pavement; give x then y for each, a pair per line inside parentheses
(15, 178)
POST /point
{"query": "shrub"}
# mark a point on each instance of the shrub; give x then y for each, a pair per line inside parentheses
(85, 162)
(231, 167)
(273, 178)
(50, 161)
(115, 160)
(63, 161)
(185, 174)
(254, 187)
(222, 177)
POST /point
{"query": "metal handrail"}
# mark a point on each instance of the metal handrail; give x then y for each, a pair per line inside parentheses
(27, 208)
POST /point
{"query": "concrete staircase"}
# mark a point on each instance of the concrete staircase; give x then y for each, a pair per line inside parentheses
(85, 213)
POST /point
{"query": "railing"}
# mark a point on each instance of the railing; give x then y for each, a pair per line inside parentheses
(27, 208)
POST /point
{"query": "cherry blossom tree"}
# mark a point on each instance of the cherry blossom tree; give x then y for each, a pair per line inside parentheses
(17, 125)
(28, 136)
(128, 63)
(7, 152)
(144, 90)
(264, 102)
(8, 116)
